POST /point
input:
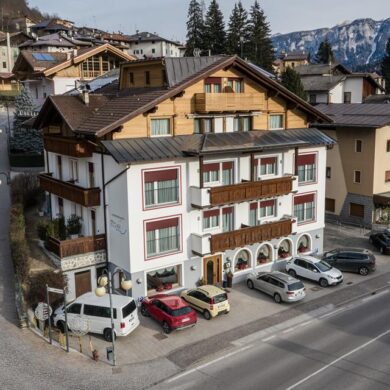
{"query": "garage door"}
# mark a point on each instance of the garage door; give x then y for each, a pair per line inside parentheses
(83, 282)
(356, 210)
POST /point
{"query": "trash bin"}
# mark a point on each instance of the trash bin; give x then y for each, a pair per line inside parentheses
(110, 357)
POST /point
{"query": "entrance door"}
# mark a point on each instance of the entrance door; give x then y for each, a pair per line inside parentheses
(82, 282)
(212, 269)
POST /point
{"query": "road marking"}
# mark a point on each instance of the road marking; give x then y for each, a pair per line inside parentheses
(268, 338)
(306, 323)
(375, 296)
(333, 312)
(208, 364)
(338, 359)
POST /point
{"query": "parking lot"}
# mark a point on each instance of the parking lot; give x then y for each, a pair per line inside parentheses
(148, 341)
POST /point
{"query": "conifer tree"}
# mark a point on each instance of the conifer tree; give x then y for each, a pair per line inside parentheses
(261, 51)
(195, 28)
(325, 53)
(292, 81)
(238, 34)
(385, 67)
(214, 33)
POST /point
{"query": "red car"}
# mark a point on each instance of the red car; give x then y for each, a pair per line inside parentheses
(170, 311)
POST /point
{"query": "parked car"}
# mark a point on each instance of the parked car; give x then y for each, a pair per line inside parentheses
(381, 241)
(314, 269)
(96, 311)
(351, 260)
(209, 300)
(282, 287)
(170, 311)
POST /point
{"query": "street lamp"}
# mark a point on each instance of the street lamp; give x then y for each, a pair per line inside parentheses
(105, 282)
(8, 177)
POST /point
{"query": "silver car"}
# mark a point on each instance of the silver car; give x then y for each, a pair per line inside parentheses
(282, 287)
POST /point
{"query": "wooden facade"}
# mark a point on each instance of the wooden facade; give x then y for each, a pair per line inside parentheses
(76, 246)
(87, 197)
(250, 191)
(250, 235)
(68, 146)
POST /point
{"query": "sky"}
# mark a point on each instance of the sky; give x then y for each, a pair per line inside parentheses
(168, 17)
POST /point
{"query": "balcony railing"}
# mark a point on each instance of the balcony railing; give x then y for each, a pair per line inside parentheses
(88, 197)
(250, 235)
(241, 192)
(218, 102)
(68, 146)
(77, 246)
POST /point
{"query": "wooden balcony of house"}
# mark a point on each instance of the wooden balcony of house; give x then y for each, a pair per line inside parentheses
(219, 102)
(77, 246)
(88, 197)
(250, 235)
(241, 192)
(68, 146)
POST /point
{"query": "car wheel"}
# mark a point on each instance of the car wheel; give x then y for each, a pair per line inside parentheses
(324, 282)
(144, 311)
(363, 271)
(292, 273)
(381, 250)
(61, 326)
(277, 298)
(107, 334)
(249, 283)
(207, 315)
(166, 328)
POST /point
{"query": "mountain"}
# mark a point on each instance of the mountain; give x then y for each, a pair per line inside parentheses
(359, 45)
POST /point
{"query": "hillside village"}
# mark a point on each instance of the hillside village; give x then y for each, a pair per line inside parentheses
(152, 186)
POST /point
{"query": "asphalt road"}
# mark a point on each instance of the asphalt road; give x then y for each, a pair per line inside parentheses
(348, 349)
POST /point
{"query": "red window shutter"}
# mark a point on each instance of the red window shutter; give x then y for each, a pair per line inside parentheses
(304, 199)
(253, 206)
(268, 160)
(227, 210)
(167, 174)
(227, 165)
(306, 159)
(213, 80)
(211, 213)
(267, 203)
(162, 224)
(210, 167)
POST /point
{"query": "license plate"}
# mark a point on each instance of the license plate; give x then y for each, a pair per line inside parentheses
(221, 305)
(185, 319)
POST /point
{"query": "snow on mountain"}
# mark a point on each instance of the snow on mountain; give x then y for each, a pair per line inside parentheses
(356, 44)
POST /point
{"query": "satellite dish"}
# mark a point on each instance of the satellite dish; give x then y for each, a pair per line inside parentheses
(197, 52)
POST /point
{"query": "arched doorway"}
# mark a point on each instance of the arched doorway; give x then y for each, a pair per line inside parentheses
(285, 249)
(264, 255)
(242, 261)
(304, 244)
(212, 269)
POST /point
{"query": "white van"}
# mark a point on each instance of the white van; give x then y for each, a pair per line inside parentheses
(96, 310)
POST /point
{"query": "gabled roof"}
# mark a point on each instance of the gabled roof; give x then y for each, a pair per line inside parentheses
(129, 103)
(160, 148)
(356, 115)
(320, 69)
(321, 83)
(295, 56)
(55, 39)
(147, 37)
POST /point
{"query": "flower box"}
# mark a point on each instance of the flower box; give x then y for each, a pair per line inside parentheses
(167, 286)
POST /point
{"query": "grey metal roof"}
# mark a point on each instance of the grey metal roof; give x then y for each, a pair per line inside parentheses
(377, 99)
(181, 68)
(160, 148)
(320, 69)
(263, 71)
(321, 83)
(356, 115)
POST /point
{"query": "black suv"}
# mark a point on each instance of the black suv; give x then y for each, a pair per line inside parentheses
(351, 260)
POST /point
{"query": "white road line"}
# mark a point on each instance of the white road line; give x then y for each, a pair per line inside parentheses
(305, 323)
(208, 364)
(338, 359)
(268, 338)
(375, 296)
(333, 312)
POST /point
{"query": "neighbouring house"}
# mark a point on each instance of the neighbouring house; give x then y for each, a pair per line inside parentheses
(52, 26)
(54, 73)
(336, 84)
(8, 55)
(188, 168)
(146, 45)
(358, 166)
(22, 24)
(290, 60)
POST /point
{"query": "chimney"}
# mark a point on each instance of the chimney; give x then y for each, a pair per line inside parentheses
(85, 96)
(68, 55)
(74, 52)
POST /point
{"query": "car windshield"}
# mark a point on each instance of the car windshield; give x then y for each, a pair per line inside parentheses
(180, 312)
(295, 286)
(323, 266)
(220, 298)
(128, 309)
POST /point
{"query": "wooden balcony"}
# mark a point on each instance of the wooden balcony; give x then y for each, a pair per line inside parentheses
(68, 146)
(250, 190)
(250, 235)
(88, 197)
(219, 102)
(77, 246)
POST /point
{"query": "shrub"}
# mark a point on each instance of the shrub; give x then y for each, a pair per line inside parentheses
(19, 255)
(73, 224)
(56, 229)
(36, 291)
(25, 190)
(17, 223)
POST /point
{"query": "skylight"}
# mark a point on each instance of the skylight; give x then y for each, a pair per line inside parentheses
(43, 57)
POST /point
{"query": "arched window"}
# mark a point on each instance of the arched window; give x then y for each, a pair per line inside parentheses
(284, 249)
(303, 244)
(264, 254)
(243, 260)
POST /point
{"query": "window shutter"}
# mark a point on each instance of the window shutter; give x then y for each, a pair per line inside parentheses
(162, 224)
(253, 206)
(211, 213)
(268, 160)
(227, 165)
(306, 159)
(210, 167)
(213, 80)
(267, 203)
(227, 210)
(167, 174)
(304, 199)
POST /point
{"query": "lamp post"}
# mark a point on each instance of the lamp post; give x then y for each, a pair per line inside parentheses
(106, 282)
